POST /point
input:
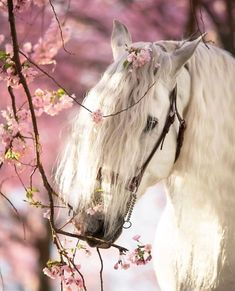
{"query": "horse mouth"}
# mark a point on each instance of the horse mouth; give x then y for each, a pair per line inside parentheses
(103, 242)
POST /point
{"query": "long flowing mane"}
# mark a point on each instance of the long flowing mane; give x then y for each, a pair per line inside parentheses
(92, 146)
(201, 185)
(210, 117)
(113, 145)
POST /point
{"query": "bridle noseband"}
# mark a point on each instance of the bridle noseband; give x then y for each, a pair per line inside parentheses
(135, 182)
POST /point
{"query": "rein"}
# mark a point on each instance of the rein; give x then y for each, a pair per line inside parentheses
(135, 182)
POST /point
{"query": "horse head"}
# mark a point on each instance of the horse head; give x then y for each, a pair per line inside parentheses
(133, 100)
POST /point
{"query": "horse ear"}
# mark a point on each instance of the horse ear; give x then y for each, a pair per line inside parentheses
(120, 39)
(180, 56)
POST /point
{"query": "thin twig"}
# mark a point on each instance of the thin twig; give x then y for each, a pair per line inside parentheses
(31, 177)
(59, 26)
(75, 250)
(101, 270)
(203, 27)
(54, 80)
(13, 101)
(21, 181)
(68, 222)
(194, 12)
(60, 248)
(132, 105)
(91, 238)
(16, 212)
(83, 106)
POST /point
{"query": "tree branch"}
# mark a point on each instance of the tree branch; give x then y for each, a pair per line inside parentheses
(59, 26)
(101, 270)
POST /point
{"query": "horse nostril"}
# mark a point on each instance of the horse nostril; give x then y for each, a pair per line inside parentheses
(95, 228)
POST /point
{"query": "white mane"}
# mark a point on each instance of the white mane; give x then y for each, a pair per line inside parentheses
(201, 186)
(113, 142)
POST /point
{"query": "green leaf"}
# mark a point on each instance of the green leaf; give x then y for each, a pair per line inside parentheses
(11, 155)
(51, 263)
(3, 55)
(7, 66)
(26, 64)
(126, 64)
(30, 192)
(60, 92)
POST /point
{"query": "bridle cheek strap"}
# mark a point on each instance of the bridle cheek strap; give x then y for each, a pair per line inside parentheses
(135, 182)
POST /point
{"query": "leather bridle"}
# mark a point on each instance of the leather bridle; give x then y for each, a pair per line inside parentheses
(135, 182)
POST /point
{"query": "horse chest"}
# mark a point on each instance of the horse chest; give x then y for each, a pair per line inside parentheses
(194, 254)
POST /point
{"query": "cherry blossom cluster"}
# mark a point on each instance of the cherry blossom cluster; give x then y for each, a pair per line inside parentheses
(21, 5)
(122, 263)
(97, 116)
(66, 273)
(140, 256)
(42, 53)
(51, 102)
(48, 46)
(137, 58)
(13, 130)
(8, 69)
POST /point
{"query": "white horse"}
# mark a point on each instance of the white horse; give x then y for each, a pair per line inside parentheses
(195, 242)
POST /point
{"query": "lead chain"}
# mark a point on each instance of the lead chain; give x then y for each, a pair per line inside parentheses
(127, 223)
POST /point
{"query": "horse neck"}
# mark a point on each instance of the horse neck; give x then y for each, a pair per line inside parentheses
(204, 174)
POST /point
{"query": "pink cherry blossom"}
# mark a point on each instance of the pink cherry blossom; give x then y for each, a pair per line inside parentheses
(21, 5)
(136, 237)
(40, 3)
(116, 266)
(53, 272)
(47, 214)
(29, 73)
(138, 57)
(48, 273)
(125, 266)
(121, 264)
(51, 102)
(97, 116)
(9, 50)
(48, 46)
(2, 37)
(27, 47)
(148, 247)
(141, 255)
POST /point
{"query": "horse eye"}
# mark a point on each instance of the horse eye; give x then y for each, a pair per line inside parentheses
(151, 123)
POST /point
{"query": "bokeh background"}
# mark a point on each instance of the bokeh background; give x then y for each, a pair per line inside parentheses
(89, 22)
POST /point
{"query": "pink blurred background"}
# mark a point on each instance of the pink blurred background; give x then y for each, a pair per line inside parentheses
(90, 24)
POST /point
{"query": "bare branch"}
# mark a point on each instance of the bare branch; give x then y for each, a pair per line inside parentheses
(59, 26)
(16, 212)
(101, 270)
(18, 65)
(13, 101)
(54, 80)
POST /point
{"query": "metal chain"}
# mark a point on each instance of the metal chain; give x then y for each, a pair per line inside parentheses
(130, 206)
